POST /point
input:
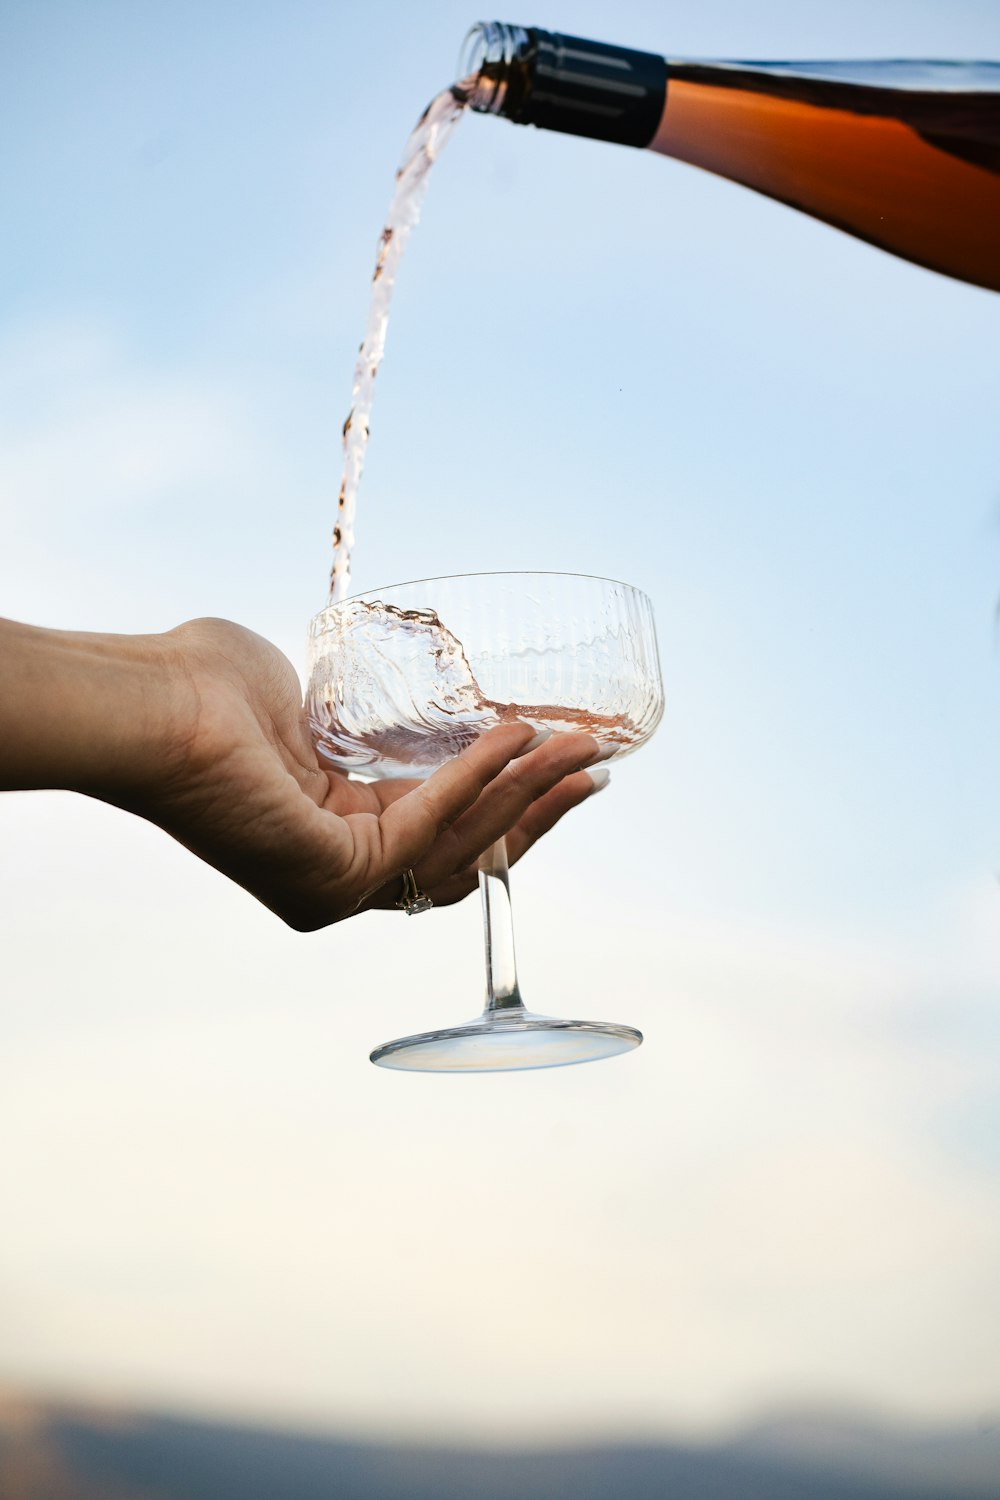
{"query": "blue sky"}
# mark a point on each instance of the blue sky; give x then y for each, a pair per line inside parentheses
(598, 361)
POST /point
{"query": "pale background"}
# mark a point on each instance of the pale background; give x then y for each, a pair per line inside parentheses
(598, 361)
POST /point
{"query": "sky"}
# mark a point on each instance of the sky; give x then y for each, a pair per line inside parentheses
(598, 361)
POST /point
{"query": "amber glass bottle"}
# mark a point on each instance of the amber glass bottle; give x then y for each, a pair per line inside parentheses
(905, 155)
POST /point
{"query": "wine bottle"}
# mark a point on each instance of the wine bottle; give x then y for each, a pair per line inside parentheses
(905, 155)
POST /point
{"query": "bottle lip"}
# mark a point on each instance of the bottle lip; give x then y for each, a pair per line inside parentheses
(486, 64)
(560, 82)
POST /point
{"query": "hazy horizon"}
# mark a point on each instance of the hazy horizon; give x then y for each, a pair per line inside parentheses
(72, 1448)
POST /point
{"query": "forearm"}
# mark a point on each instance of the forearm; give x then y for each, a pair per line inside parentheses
(86, 712)
(202, 731)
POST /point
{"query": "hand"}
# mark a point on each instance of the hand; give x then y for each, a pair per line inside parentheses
(216, 750)
(253, 800)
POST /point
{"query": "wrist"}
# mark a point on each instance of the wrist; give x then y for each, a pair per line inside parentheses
(87, 712)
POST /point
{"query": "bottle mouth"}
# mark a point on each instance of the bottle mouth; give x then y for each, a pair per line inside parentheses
(566, 83)
(486, 64)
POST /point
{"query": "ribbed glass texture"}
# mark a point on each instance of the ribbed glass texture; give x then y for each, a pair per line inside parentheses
(403, 677)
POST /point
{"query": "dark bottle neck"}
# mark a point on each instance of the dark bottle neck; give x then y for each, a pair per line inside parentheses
(563, 83)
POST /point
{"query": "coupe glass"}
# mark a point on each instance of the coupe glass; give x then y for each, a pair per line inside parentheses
(403, 678)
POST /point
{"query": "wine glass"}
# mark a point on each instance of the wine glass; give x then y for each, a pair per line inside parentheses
(403, 678)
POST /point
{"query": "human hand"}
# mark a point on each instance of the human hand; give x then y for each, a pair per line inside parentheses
(233, 774)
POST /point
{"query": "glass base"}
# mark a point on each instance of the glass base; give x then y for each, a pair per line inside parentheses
(502, 1041)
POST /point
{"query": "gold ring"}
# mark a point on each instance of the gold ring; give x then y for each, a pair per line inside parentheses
(413, 899)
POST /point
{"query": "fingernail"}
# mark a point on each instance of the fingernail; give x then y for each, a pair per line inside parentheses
(538, 739)
(600, 776)
(603, 752)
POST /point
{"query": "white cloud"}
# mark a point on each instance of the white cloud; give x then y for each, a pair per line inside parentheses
(84, 427)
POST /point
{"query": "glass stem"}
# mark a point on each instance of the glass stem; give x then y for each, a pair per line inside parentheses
(502, 993)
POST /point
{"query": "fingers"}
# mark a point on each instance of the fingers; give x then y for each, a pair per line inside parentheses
(519, 787)
(504, 801)
(543, 815)
(540, 817)
(412, 825)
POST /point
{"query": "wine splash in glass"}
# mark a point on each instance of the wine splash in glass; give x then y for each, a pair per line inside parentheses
(394, 691)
